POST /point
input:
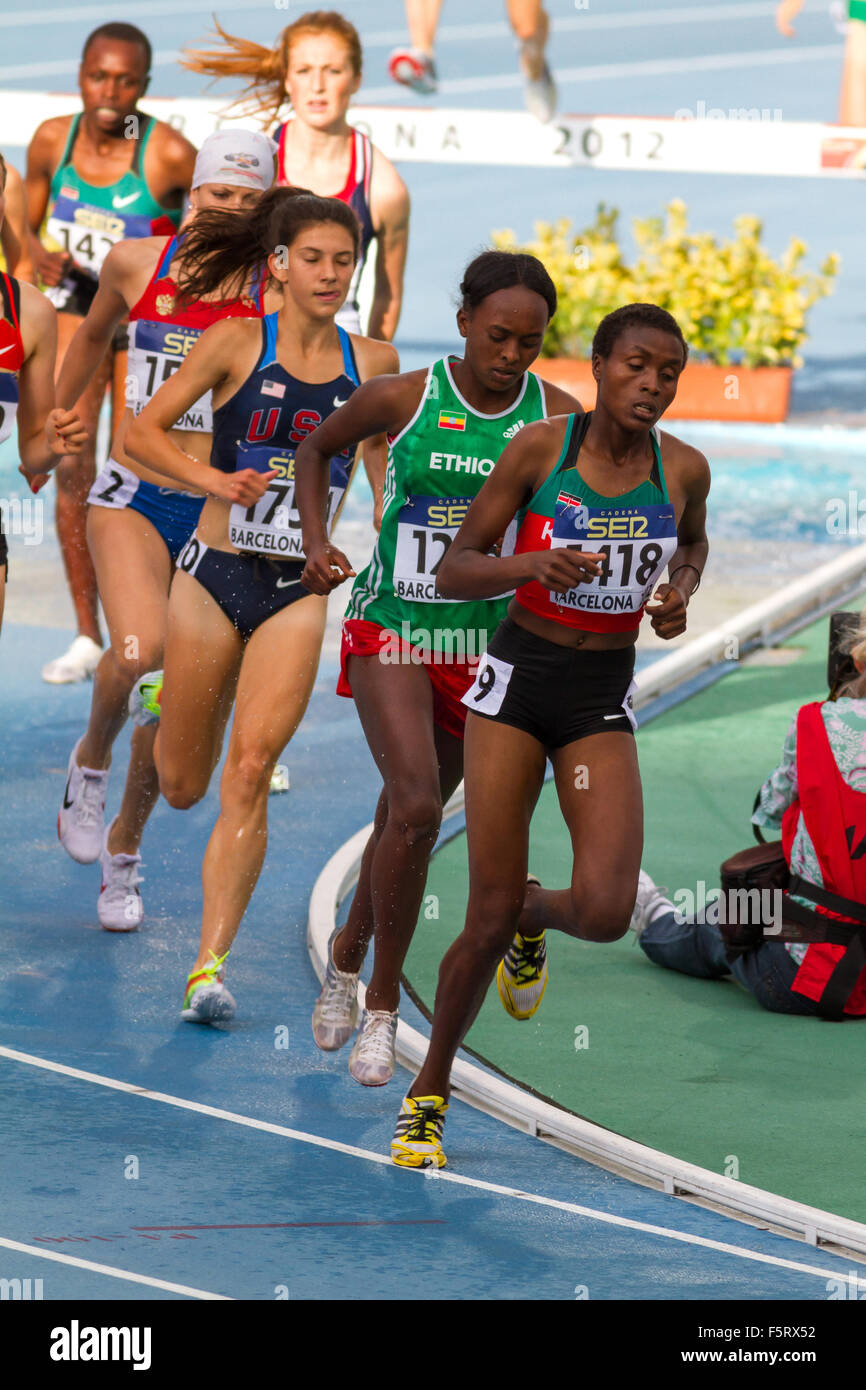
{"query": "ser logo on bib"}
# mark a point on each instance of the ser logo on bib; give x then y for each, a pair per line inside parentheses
(273, 525)
(637, 543)
(426, 527)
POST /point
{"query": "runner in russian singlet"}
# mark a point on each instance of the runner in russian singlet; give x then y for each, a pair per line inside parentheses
(138, 520)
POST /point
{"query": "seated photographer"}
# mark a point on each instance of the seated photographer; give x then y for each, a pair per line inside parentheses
(816, 798)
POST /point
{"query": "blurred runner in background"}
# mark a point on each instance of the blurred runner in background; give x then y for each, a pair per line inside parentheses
(93, 179)
(852, 92)
(415, 66)
(316, 65)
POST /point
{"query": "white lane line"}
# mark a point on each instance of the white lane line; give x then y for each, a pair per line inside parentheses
(318, 1141)
(613, 72)
(508, 81)
(144, 10)
(585, 23)
(57, 67)
(110, 1270)
(446, 33)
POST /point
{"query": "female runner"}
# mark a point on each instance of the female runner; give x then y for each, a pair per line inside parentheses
(409, 656)
(136, 523)
(28, 345)
(317, 65)
(602, 509)
(239, 619)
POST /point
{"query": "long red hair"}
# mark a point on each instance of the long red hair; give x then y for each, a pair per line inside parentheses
(267, 68)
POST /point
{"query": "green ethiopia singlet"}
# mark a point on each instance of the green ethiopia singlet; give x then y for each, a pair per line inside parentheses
(436, 465)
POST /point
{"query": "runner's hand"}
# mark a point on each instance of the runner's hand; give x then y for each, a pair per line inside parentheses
(35, 481)
(668, 618)
(326, 567)
(245, 488)
(50, 266)
(563, 569)
(64, 433)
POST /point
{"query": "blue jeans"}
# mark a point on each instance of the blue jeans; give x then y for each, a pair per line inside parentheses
(697, 948)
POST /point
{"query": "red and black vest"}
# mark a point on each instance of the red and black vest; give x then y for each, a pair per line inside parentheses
(833, 972)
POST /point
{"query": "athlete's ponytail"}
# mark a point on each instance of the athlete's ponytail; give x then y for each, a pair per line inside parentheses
(501, 270)
(267, 68)
(221, 250)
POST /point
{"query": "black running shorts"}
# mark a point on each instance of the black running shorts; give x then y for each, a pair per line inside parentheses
(557, 694)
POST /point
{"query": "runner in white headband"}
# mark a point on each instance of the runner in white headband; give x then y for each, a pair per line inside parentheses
(241, 157)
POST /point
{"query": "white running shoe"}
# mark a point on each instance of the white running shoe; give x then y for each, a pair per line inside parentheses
(207, 1000)
(119, 905)
(414, 69)
(372, 1060)
(77, 663)
(649, 897)
(335, 1012)
(540, 91)
(81, 818)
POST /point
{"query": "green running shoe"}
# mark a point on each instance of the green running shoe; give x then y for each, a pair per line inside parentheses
(145, 700)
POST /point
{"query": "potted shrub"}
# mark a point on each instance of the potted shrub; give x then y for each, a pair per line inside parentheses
(743, 313)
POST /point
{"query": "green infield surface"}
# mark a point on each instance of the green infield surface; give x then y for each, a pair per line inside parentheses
(695, 1068)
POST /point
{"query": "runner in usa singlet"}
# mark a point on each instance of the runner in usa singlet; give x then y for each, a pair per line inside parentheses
(261, 426)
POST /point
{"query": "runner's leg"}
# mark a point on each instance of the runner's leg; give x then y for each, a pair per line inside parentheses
(276, 679)
(75, 474)
(421, 765)
(504, 774)
(599, 790)
(133, 568)
(422, 19)
(203, 651)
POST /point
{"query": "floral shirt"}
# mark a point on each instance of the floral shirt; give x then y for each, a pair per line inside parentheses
(845, 722)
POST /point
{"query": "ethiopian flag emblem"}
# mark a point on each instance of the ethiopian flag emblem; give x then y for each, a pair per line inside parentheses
(451, 420)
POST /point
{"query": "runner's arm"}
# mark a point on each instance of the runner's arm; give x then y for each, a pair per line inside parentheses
(95, 333)
(391, 210)
(379, 406)
(668, 613)
(36, 409)
(376, 359)
(468, 570)
(692, 544)
(209, 364)
(170, 160)
(43, 153)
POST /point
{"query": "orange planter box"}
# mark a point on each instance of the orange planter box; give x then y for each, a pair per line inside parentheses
(705, 392)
